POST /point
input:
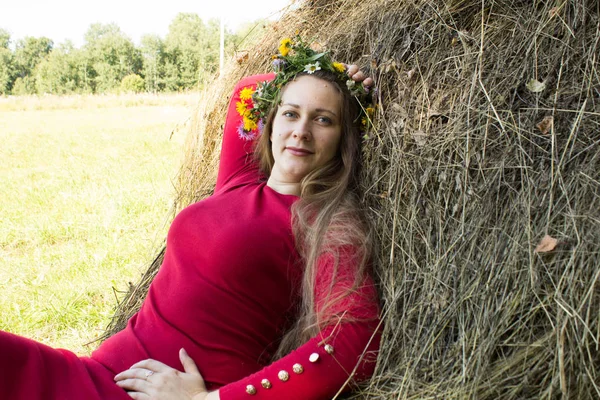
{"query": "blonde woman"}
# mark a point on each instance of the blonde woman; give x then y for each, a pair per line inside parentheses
(264, 291)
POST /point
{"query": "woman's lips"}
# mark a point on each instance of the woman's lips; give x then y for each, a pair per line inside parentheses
(298, 151)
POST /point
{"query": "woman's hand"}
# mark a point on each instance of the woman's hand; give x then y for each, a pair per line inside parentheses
(151, 379)
(357, 75)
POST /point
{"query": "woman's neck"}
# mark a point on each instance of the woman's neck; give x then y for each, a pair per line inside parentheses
(283, 187)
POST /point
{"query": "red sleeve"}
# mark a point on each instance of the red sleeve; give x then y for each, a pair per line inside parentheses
(345, 352)
(237, 151)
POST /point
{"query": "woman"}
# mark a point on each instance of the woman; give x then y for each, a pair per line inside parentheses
(266, 268)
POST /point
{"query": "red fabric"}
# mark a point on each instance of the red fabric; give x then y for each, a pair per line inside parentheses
(30, 370)
(227, 290)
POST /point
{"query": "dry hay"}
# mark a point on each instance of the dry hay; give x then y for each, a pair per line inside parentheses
(488, 140)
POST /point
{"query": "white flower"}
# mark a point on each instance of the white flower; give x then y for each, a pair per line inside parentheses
(311, 68)
(350, 84)
(260, 88)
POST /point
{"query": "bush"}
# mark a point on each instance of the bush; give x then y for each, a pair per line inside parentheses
(133, 83)
(24, 86)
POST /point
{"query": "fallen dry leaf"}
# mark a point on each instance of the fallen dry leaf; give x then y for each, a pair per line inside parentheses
(548, 243)
(241, 56)
(536, 86)
(420, 137)
(546, 124)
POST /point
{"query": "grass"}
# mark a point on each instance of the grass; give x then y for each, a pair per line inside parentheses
(84, 202)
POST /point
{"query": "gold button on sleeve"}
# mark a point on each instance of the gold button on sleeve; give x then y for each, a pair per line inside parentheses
(298, 369)
(329, 349)
(283, 375)
(314, 357)
(251, 390)
(266, 384)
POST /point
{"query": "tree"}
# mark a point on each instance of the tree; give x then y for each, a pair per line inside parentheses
(59, 73)
(6, 70)
(24, 86)
(112, 55)
(6, 64)
(4, 39)
(193, 48)
(185, 59)
(182, 45)
(210, 45)
(29, 53)
(153, 60)
(171, 80)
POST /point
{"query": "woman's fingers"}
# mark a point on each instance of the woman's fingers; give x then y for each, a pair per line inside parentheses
(138, 396)
(151, 379)
(352, 69)
(134, 384)
(134, 373)
(189, 366)
(357, 75)
(152, 365)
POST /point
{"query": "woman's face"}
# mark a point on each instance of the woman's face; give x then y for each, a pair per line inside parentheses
(307, 128)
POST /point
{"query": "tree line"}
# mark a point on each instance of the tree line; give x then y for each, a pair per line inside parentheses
(109, 61)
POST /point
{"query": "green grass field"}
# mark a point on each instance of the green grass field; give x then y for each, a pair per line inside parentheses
(84, 200)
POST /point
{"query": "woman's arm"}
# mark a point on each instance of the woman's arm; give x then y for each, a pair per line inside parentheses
(318, 370)
(342, 353)
(237, 148)
(339, 355)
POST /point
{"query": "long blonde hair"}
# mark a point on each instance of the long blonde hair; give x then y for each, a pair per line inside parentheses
(326, 217)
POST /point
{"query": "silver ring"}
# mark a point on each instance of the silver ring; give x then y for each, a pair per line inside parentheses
(149, 374)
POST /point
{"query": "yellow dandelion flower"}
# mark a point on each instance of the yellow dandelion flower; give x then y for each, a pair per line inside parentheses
(284, 46)
(249, 125)
(363, 121)
(370, 111)
(241, 107)
(339, 67)
(246, 93)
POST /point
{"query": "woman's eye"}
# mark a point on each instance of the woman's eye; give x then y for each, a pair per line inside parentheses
(288, 114)
(324, 120)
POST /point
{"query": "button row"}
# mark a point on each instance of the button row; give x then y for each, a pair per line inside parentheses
(284, 376)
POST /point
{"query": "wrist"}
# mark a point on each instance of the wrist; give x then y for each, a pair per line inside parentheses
(214, 395)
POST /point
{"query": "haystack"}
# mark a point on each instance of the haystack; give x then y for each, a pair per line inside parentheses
(482, 179)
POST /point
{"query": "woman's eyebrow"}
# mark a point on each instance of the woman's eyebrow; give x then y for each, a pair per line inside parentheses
(317, 110)
(291, 105)
(326, 110)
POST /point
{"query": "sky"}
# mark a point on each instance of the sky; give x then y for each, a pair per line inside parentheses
(60, 20)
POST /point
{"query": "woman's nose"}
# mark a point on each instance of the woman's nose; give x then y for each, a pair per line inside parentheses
(302, 131)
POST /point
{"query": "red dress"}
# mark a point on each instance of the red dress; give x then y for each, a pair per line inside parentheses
(226, 292)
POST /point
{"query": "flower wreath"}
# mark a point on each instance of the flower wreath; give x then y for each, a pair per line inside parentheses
(294, 57)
